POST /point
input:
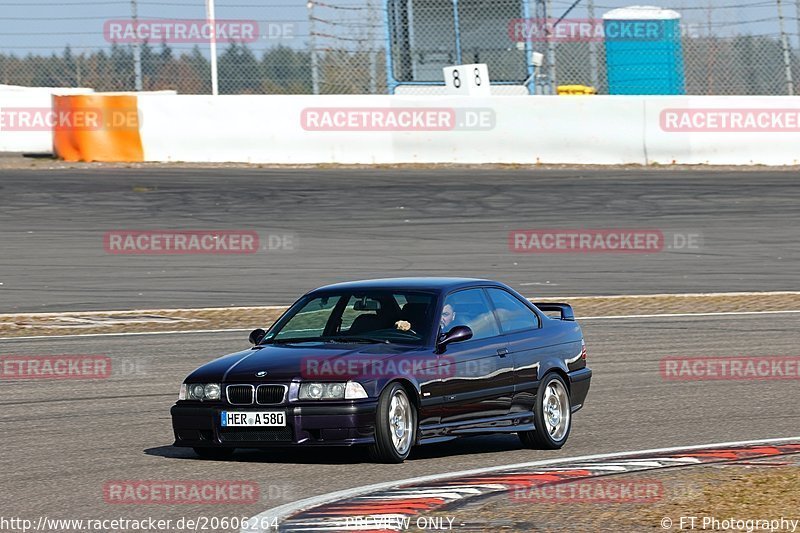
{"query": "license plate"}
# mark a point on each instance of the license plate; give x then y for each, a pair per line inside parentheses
(253, 419)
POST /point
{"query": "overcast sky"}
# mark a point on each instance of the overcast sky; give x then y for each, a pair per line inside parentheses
(44, 26)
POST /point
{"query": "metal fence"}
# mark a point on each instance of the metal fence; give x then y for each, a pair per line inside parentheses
(331, 47)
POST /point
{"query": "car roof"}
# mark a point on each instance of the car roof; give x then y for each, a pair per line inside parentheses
(421, 283)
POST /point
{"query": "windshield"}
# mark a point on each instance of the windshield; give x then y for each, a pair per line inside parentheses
(372, 316)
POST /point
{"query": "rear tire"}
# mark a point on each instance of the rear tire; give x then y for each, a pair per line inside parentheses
(552, 415)
(214, 454)
(395, 426)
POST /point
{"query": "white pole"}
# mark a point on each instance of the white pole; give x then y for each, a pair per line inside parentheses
(787, 58)
(797, 19)
(594, 73)
(551, 53)
(312, 43)
(373, 59)
(137, 50)
(211, 19)
(541, 72)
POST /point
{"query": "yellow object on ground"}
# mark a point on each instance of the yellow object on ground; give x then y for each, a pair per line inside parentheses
(569, 90)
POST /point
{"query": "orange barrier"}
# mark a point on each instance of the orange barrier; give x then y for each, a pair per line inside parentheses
(96, 127)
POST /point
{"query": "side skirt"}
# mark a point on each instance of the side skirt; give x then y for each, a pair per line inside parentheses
(504, 424)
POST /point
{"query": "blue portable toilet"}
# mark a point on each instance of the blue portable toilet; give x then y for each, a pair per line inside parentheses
(643, 51)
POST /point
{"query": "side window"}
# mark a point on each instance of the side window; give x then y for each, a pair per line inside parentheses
(469, 308)
(513, 314)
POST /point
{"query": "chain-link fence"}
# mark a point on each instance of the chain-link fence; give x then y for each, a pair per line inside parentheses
(314, 47)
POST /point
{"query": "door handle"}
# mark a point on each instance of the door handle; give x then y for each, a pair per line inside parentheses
(502, 352)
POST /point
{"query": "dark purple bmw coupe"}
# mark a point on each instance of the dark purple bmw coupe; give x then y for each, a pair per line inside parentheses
(390, 364)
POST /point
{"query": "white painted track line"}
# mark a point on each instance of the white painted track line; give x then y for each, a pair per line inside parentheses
(147, 311)
(279, 307)
(679, 315)
(130, 333)
(731, 314)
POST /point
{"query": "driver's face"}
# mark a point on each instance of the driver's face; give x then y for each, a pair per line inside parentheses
(448, 315)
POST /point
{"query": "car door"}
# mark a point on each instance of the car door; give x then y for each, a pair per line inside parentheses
(527, 343)
(481, 383)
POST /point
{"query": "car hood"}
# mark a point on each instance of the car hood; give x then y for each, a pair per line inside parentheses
(289, 362)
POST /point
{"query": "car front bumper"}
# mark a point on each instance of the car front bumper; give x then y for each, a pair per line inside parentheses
(307, 425)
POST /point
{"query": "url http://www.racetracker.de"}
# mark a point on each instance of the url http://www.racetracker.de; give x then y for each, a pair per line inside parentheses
(111, 525)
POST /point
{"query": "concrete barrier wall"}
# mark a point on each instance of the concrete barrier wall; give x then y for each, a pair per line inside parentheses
(25, 113)
(463, 130)
(522, 130)
(34, 103)
(260, 129)
(768, 131)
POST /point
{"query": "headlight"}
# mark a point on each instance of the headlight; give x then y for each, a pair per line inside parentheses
(212, 391)
(196, 392)
(316, 391)
(200, 391)
(336, 390)
(331, 391)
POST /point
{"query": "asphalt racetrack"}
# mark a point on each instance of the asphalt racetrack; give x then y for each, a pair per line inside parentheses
(353, 224)
(65, 440)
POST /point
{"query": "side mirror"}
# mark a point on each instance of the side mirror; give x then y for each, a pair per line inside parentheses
(256, 335)
(457, 334)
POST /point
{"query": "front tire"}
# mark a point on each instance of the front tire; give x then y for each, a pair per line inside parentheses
(215, 454)
(395, 426)
(552, 415)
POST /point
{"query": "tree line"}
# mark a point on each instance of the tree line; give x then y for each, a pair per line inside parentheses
(279, 70)
(735, 65)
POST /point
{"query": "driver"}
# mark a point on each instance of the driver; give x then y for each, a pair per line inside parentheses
(448, 316)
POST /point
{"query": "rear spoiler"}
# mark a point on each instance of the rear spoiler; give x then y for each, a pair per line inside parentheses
(564, 309)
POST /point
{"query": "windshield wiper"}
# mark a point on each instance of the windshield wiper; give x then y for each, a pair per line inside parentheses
(356, 339)
(287, 341)
(348, 339)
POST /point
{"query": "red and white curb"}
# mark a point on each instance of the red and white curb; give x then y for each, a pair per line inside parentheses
(389, 506)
